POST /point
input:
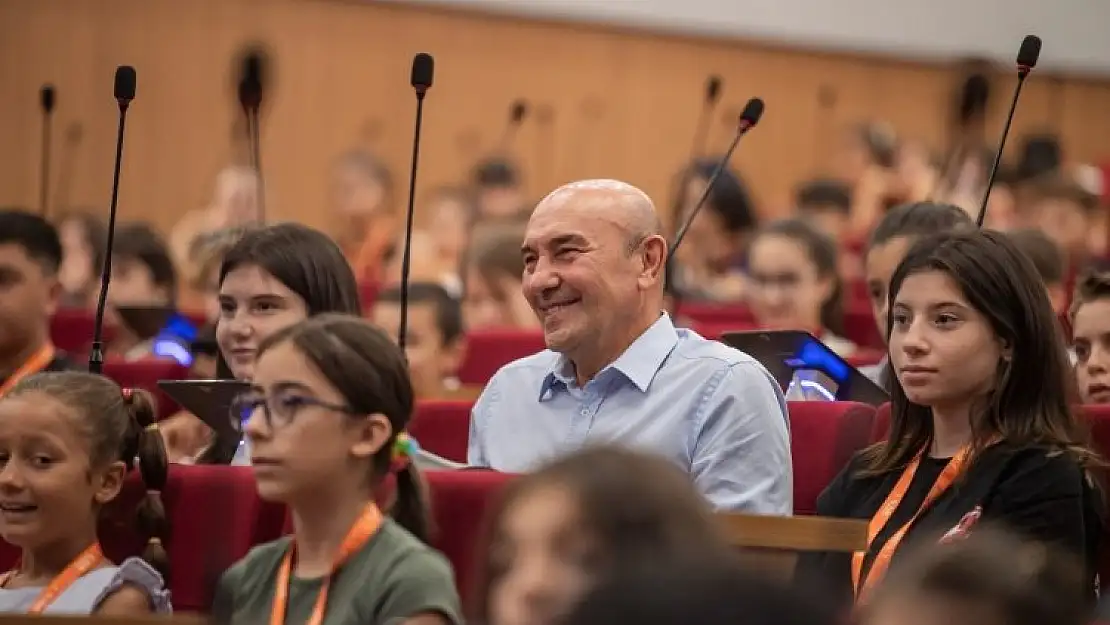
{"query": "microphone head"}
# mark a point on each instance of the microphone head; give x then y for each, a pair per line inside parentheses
(252, 76)
(753, 110)
(125, 83)
(1028, 53)
(46, 97)
(423, 69)
(519, 110)
(713, 89)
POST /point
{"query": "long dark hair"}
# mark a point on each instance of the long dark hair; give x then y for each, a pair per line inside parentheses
(1031, 401)
(641, 509)
(308, 262)
(371, 373)
(821, 251)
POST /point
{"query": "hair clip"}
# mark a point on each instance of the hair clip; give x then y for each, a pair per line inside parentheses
(404, 450)
(127, 392)
(153, 427)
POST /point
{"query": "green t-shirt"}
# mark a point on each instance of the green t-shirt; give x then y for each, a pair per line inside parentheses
(392, 578)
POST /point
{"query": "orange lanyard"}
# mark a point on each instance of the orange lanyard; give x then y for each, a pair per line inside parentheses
(881, 562)
(37, 362)
(86, 561)
(364, 528)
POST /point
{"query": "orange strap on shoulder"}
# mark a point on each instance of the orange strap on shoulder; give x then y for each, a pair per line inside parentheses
(363, 529)
(87, 560)
(862, 583)
(37, 362)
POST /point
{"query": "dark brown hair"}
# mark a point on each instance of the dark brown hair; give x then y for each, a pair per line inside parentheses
(1092, 286)
(1031, 400)
(1017, 582)
(371, 373)
(642, 510)
(119, 426)
(1047, 257)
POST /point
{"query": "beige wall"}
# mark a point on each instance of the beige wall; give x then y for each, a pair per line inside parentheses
(622, 104)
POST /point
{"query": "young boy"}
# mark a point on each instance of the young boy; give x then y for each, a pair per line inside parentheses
(1090, 326)
(30, 255)
(143, 276)
(434, 341)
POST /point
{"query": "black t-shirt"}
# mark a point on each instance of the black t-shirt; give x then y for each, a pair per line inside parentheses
(1040, 493)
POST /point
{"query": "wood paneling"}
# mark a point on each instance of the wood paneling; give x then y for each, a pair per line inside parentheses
(619, 104)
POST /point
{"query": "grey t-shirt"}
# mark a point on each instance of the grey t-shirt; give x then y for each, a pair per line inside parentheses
(86, 594)
(392, 578)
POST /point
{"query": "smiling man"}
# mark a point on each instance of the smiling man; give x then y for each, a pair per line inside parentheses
(617, 370)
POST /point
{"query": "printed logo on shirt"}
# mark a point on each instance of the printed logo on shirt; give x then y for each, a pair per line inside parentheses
(963, 528)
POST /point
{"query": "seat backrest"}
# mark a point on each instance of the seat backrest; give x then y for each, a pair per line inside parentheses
(442, 427)
(1098, 419)
(882, 424)
(460, 502)
(489, 350)
(145, 374)
(824, 436)
(71, 330)
(714, 314)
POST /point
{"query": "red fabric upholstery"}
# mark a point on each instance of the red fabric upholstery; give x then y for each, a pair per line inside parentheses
(71, 330)
(443, 427)
(1098, 417)
(715, 314)
(714, 330)
(882, 424)
(489, 350)
(859, 327)
(865, 357)
(824, 435)
(145, 374)
(460, 500)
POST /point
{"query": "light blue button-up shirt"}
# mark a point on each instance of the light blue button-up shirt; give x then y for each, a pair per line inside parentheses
(711, 409)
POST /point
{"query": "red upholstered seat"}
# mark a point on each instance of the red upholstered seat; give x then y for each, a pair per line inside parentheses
(489, 350)
(1098, 417)
(145, 374)
(859, 327)
(824, 435)
(215, 517)
(442, 427)
(460, 502)
(714, 330)
(71, 330)
(882, 424)
(715, 314)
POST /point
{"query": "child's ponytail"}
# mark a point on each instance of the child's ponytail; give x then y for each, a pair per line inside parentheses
(410, 506)
(146, 446)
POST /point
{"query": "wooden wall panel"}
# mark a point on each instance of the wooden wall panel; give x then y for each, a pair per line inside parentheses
(604, 102)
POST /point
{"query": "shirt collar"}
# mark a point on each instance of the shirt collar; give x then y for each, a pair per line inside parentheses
(638, 364)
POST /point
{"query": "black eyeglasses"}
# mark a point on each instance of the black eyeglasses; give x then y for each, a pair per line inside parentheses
(278, 409)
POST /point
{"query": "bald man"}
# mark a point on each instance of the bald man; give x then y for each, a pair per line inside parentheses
(617, 370)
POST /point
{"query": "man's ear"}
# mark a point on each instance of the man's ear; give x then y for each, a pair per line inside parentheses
(370, 434)
(653, 258)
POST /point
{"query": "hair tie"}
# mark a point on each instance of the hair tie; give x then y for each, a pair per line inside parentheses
(153, 492)
(404, 450)
(153, 427)
(127, 392)
(154, 540)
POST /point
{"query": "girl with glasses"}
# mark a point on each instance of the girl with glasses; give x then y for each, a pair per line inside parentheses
(326, 419)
